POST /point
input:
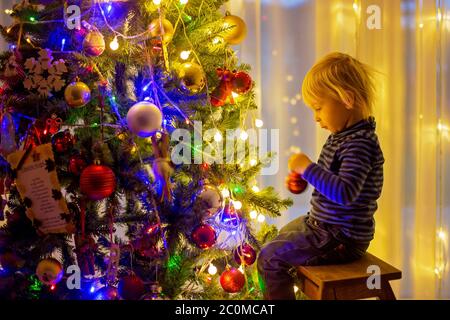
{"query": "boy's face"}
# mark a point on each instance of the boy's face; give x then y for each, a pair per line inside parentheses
(331, 115)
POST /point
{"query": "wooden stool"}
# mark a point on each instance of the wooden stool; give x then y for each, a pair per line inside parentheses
(347, 281)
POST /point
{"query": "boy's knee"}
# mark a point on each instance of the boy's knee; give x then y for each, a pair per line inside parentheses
(266, 253)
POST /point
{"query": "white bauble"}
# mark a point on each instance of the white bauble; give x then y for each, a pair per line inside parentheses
(144, 119)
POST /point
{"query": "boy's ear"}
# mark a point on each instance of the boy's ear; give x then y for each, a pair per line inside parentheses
(350, 100)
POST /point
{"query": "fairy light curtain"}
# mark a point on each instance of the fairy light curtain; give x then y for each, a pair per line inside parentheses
(412, 53)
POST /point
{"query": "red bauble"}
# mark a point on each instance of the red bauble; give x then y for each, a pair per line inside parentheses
(204, 236)
(245, 254)
(242, 82)
(107, 293)
(131, 287)
(295, 183)
(232, 280)
(63, 141)
(97, 182)
(76, 164)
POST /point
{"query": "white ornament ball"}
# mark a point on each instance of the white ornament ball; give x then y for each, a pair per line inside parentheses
(144, 119)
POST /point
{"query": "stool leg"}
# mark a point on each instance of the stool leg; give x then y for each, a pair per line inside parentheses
(386, 292)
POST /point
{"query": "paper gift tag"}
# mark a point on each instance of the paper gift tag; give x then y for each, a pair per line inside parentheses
(39, 188)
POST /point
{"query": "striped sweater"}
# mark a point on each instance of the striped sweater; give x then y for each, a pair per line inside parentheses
(348, 179)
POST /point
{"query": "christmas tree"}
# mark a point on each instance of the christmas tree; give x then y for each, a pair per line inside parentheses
(102, 171)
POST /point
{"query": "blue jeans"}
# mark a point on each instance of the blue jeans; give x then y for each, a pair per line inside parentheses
(303, 241)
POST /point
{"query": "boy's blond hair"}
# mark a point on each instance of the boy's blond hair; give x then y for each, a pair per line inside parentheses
(337, 74)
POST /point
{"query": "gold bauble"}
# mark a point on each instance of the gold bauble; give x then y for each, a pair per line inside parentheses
(155, 29)
(94, 43)
(49, 271)
(237, 33)
(77, 94)
(192, 76)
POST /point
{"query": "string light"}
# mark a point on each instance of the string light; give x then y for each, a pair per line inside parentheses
(355, 6)
(63, 42)
(295, 289)
(185, 54)
(241, 268)
(255, 189)
(234, 94)
(157, 2)
(225, 193)
(9, 11)
(218, 137)
(237, 205)
(183, 2)
(253, 214)
(439, 15)
(442, 235)
(259, 123)
(244, 135)
(114, 45)
(92, 290)
(32, 19)
(421, 26)
(212, 270)
(261, 218)
(253, 162)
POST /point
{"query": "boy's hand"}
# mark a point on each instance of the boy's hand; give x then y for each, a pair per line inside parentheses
(299, 162)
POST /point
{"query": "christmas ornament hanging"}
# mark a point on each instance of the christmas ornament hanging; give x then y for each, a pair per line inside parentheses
(107, 293)
(49, 271)
(45, 74)
(211, 198)
(94, 43)
(224, 90)
(63, 141)
(295, 183)
(245, 254)
(204, 236)
(131, 287)
(192, 77)
(166, 32)
(236, 29)
(76, 164)
(97, 182)
(242, 82)
(77, 94)
(144, 119)
(232, 280)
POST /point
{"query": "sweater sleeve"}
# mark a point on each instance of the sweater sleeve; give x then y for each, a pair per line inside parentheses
(344, 187)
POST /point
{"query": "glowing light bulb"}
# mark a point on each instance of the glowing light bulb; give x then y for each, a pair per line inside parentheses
(259, 123)
(114, 45)
(157, 2)
(212, 270)
(253, 162)
(295, 289)
(234, 94)
(218, 137)
(255, 189)
(225, 193)
(9, 11)
(439, 15)
(421, 25)
(92, 289)
(253, 214)
(53, 287)
(441, 235)
(184, 1)
(241, 269)
(261, 218)
(32, 19)
(237, 205)
(244, 135)
(185, 54)
(355, 6)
